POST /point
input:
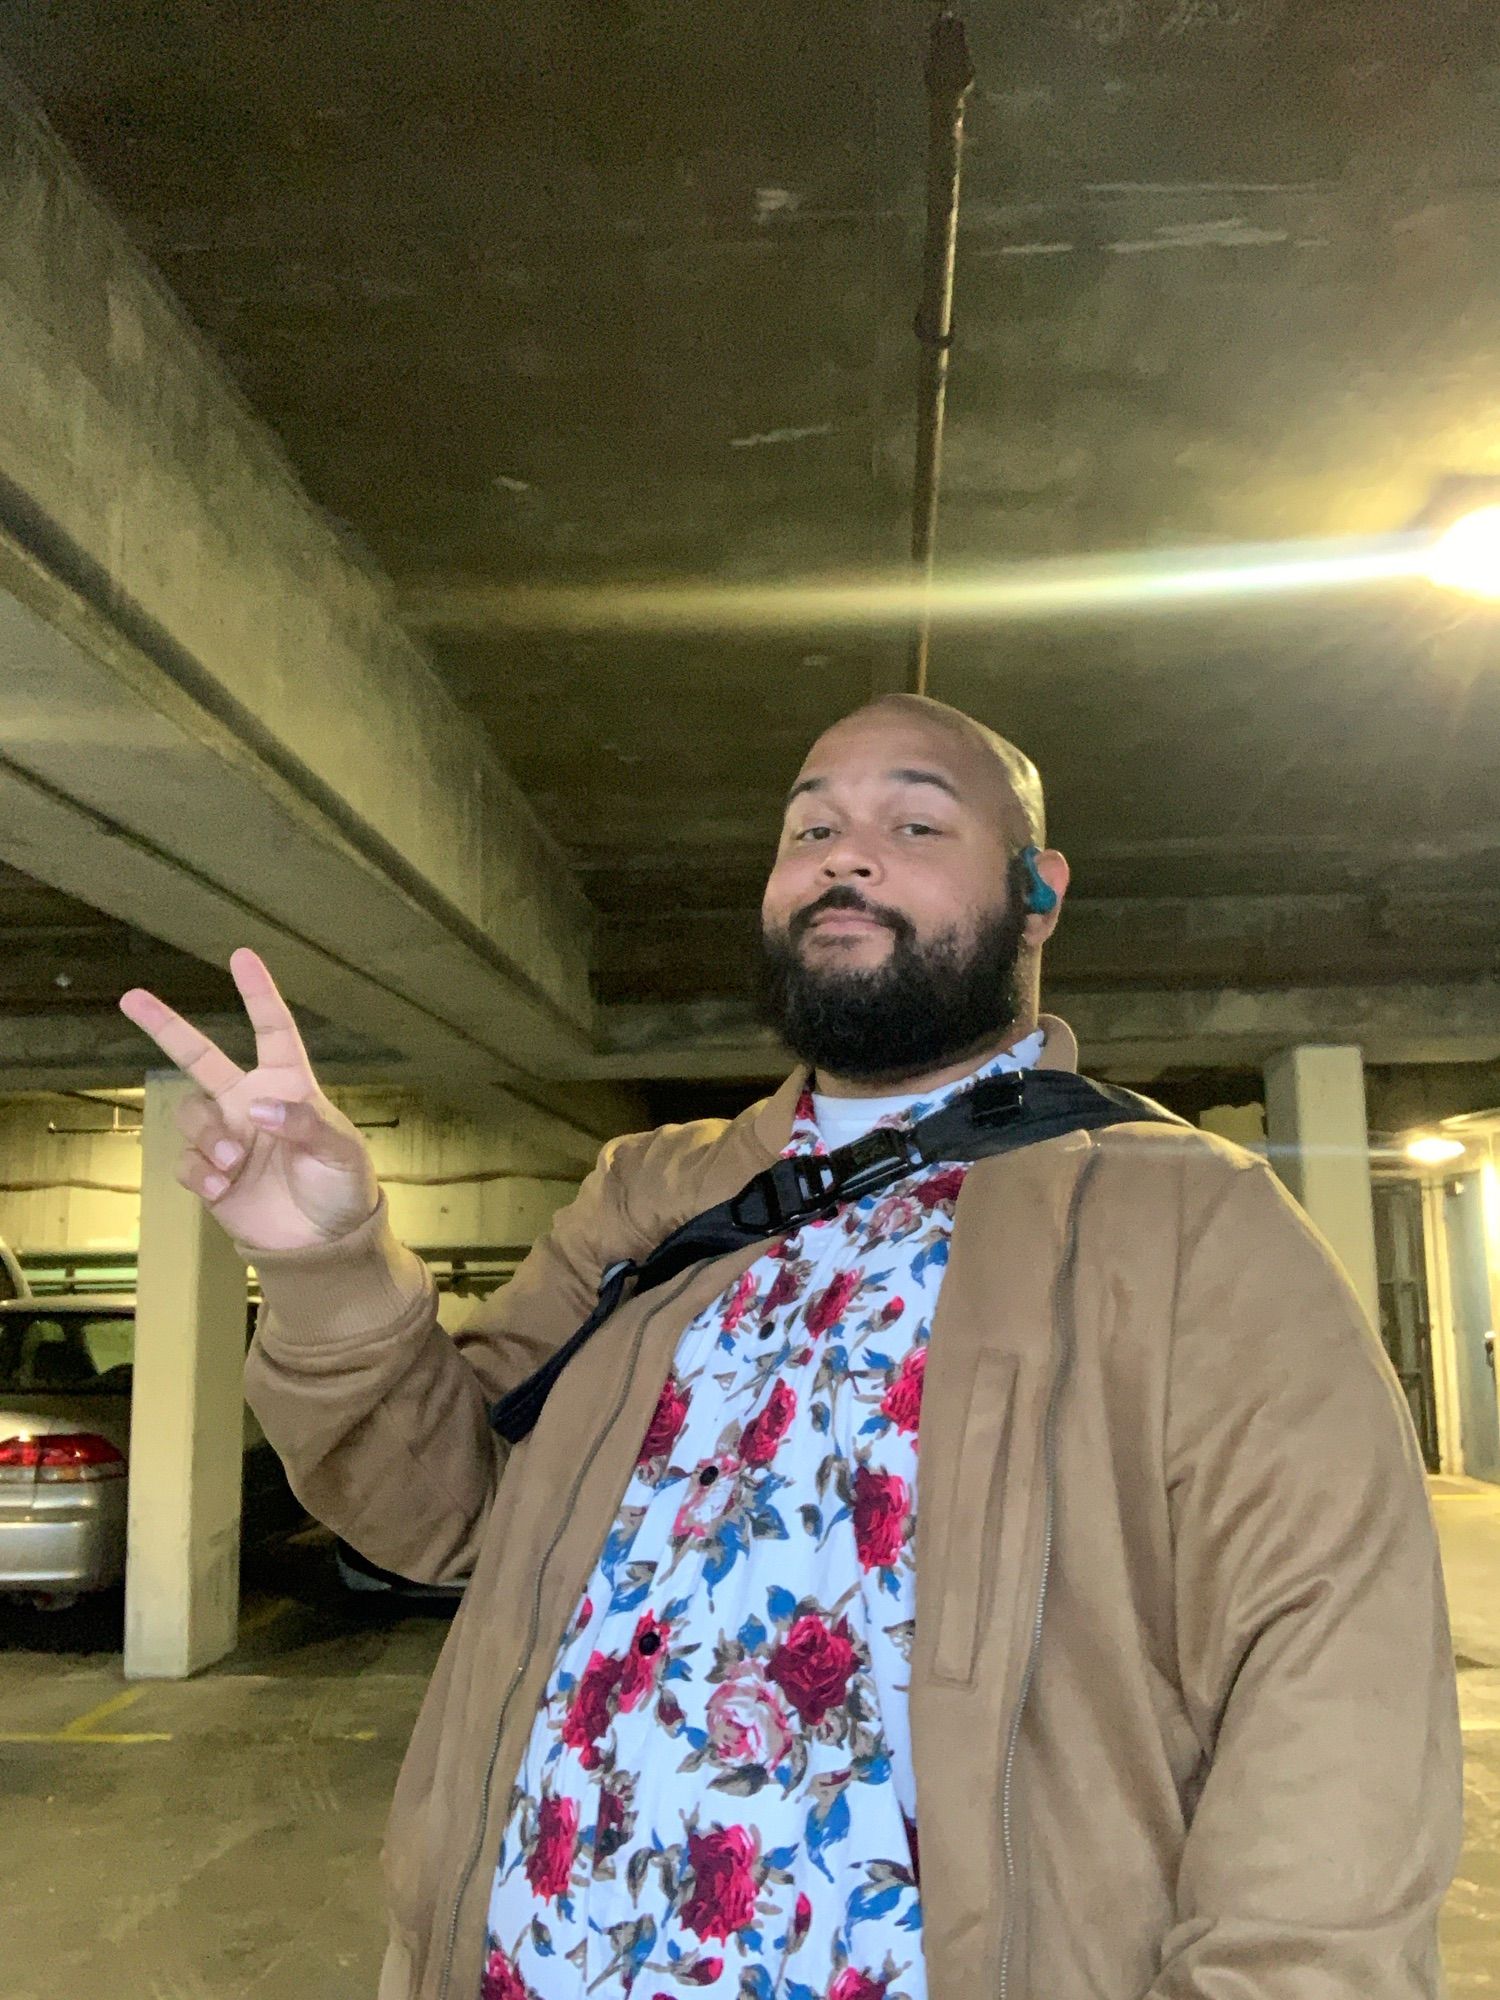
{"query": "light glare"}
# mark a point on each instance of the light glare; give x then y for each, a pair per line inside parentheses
(1467, 556)
(1432, 1150)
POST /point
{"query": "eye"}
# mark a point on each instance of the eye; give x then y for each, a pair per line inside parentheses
(811, 833)
(918, 826)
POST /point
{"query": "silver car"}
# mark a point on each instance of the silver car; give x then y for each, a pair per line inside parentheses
(65, 1378)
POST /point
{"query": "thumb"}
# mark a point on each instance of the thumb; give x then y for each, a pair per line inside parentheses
(315, 1129)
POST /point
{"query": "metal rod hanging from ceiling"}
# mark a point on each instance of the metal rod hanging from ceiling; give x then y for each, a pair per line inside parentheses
(950, 78)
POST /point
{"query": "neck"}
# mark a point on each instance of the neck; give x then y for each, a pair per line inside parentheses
(928, 1079)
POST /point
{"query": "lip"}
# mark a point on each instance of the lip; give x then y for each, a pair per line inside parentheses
(850, 921)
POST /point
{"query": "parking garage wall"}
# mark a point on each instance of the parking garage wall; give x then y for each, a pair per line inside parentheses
(457, 1180)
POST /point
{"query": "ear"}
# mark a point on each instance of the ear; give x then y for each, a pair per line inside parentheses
(1054, 871)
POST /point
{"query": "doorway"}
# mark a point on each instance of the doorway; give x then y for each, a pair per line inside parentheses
(1405, 1310)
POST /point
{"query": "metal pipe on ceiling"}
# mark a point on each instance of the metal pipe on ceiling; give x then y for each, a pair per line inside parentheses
(950, 78)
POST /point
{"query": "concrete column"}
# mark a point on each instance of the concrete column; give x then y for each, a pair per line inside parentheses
(187, 1419)
(1318, 1132)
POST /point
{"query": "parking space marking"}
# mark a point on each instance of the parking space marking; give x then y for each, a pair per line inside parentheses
(84, 1729)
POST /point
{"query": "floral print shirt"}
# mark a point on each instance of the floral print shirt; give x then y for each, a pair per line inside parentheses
(717, 1797)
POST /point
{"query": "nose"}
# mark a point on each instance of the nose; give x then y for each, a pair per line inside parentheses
(846, 858)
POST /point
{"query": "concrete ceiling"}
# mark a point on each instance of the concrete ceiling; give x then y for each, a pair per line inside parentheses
(618, 290)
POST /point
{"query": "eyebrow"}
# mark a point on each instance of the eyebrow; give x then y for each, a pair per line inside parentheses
(904, 775)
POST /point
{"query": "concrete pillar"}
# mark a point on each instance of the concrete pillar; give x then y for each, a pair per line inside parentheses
(187, 1419)
(1318, 1133)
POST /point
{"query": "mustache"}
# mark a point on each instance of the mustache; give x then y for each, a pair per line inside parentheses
(842, 897)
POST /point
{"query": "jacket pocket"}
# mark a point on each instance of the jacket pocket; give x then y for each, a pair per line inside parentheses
(967, 1574)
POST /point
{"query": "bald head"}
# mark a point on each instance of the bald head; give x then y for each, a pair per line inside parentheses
(998, 766)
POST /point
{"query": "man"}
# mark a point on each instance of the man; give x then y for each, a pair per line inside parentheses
(1019, 1583)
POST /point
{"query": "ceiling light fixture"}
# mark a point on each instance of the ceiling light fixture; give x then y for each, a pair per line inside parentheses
(1431, 1149)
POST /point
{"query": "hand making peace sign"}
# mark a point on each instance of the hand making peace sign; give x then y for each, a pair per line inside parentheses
(270, 1157)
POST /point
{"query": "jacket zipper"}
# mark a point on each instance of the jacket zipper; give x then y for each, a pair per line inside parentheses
(1062, 1312)
(477, 1850)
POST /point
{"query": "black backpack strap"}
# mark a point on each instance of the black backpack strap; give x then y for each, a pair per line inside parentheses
(998, 1115)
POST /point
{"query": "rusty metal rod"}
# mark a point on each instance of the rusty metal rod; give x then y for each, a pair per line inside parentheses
(950, 78)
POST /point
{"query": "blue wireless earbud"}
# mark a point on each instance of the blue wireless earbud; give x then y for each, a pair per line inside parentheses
(1041, 897)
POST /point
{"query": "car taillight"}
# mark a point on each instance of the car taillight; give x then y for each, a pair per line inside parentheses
(59, 1455)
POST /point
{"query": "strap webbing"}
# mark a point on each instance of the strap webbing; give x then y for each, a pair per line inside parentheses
(999, 1115)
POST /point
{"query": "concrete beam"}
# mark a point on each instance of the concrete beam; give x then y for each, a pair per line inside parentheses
(212, 723)
(1113, 941)
(85, 1050)
(1127, 1034)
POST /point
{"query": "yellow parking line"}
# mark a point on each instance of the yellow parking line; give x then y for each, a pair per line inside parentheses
(84, 1730)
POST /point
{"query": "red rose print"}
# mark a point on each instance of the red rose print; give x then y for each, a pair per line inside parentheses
(829, 1307)
(667, 1423)
(783, 1291)
(943, 1187)
(881, 1500)
(549, 1866)
(585, 1613)
(765, 1430)
(740, 1301)
(902, 1402)
(747, 1719)
(813, 1667)
(642, 1665)
(669, 1711)
(501, 1979)
(589, 1711)
(706, 1971)
(609, 1824)
(891, 1311)
(854, 1985)
(801, 1918)
(723, 1896)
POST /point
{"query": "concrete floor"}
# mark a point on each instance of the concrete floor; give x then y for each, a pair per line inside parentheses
(216, 1839)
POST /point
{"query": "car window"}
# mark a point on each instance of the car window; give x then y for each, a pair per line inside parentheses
(73, 1353)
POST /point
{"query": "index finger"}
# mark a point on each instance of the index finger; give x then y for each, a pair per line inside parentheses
(188, 1047)
(277, 1042)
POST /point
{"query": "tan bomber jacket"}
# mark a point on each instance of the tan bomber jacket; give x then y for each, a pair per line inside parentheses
(1182, 1697)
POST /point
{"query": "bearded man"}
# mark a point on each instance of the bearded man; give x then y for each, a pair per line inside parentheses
(1016, 1580)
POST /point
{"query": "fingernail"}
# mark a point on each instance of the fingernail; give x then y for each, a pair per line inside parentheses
(267, 1111)
(214, 1185)
(227, 1153)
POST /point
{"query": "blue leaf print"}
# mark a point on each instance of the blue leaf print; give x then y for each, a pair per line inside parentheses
(868, 1903)
(768, 1526)
(565, 1683)
(697, 1738)
(938, 1253)
(874, 1360)
(795, 1990)
(888, 1582)
(731, 1547)
(780, 1603)
(678, 1670)
(912, 1921)
(820, 1416)
(630, 1595)
(781, 1857)
(751, 1634)
(874, 1770)
(750, 1940)
(873, 1424)
(918, 1264)
(755, 1981)
(827, 1830)
(836, 1357)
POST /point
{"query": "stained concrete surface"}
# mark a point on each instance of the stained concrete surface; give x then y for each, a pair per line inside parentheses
(216, 1839)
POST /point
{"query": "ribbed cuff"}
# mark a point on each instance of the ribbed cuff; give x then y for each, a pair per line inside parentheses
(355, 1289)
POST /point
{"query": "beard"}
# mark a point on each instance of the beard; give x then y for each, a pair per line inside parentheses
(929, 1004)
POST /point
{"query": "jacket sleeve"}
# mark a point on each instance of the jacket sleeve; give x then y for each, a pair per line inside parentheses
(379, 1416)
(1313, 1639)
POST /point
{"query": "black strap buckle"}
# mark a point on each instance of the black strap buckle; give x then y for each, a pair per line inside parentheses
(999, 1100)
(809, 1185)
